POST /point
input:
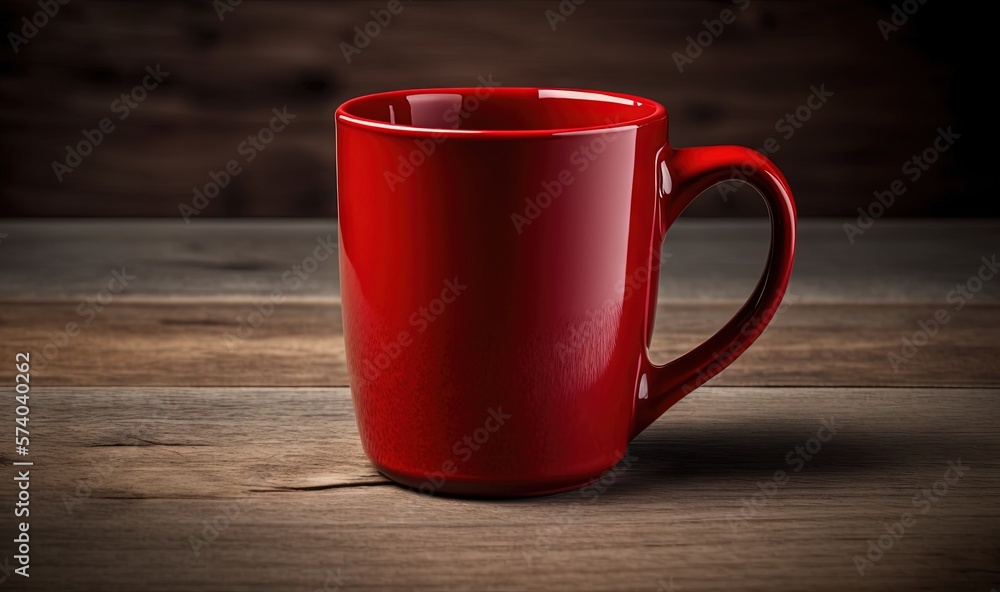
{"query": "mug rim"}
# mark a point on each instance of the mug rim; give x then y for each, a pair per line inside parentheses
(345, 117)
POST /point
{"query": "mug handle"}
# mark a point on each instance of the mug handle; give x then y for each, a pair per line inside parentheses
(687, 172)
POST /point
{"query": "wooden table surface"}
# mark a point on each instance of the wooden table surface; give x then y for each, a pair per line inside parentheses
(167, 457)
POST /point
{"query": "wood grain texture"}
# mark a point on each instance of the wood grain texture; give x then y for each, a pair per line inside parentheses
(125, 478)
(227, 75)
(195, 344)
(168, 458)
(917, 261)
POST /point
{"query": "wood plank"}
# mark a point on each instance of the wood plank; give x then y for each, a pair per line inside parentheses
(169, 259)
(144, 470)
(302, 344)
(703, 261)
(177, 344)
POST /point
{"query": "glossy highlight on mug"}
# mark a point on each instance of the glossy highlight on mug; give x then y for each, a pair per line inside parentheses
(547, 204)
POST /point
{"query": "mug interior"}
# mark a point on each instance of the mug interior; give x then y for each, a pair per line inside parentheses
(485, 110)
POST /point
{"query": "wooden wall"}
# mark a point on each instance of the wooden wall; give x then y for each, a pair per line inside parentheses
(225, 76)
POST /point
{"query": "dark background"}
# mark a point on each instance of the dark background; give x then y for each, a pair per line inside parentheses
(225, 76)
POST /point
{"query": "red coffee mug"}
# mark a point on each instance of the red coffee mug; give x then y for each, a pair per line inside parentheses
(498, 257)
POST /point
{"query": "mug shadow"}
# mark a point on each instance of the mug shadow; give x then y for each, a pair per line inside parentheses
(673, 456)
(683, 455)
